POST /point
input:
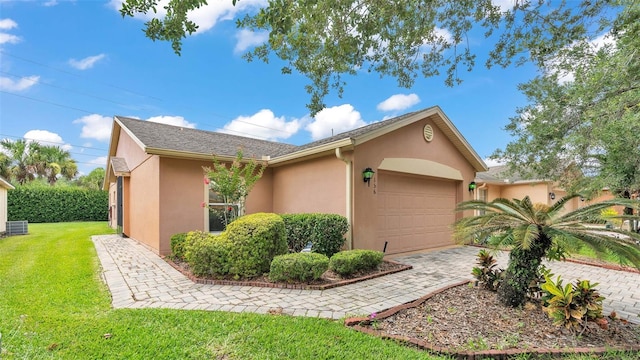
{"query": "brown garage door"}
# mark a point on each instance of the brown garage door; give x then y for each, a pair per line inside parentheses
(414, 212)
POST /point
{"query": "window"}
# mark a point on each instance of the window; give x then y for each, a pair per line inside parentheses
(220, 213)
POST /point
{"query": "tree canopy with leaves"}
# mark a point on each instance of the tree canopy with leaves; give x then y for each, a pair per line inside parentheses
(584, 114)
(328, 40)
(233, 182)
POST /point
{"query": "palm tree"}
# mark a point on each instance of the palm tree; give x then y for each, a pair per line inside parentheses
(22, 163)
(533, 230)
(53, 161)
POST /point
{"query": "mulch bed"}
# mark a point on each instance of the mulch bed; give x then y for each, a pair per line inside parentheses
(469, 321)
(328, 280)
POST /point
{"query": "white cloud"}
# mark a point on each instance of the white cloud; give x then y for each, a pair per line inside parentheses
(206, 16)
(247, 38)
(24, 83)
(398, 102)
(172, 120)
(263, 125)
(95, 126)
(334, 120)
(86, 63)
(45, 137)
(100, 161)
(7, 24)
(9, 39)
(51, 3)
(492, 162)
(504, 5)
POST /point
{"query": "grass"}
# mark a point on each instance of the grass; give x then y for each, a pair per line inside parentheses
(53, 305)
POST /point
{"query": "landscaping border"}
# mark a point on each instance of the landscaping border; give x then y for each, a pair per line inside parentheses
(282, 285)
(357, 324)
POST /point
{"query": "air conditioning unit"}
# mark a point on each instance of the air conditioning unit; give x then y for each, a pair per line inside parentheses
(17, 227)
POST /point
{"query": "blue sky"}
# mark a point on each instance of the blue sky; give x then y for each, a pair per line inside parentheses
(67, 67)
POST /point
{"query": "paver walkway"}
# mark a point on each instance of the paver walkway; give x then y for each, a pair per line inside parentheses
(138, 278)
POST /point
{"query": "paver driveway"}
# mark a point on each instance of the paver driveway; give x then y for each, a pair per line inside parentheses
(138, 278)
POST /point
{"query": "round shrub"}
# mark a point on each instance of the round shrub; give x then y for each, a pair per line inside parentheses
(350, 261)
(178, 242)
(256, 239)
(324, 231)
(207, 254)
(298, 266)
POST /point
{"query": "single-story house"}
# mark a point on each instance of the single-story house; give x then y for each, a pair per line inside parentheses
(422, 167)
(498, 182)
(5, 186)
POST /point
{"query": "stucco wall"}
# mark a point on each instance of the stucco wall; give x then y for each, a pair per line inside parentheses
(537, 192)
(130, 151)
(182, 191)
(406, 142)
(317, 185)
(141, 203)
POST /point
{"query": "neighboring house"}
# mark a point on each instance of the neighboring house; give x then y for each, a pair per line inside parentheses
(497, 182)
(5, 186)
(422, 168)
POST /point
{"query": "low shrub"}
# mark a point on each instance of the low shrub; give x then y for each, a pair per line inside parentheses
(207, 254)
(298, 266)
(256, 239)
(487, 272)
(178, 242)
(350, 261)
(324, 231)
(572, 305)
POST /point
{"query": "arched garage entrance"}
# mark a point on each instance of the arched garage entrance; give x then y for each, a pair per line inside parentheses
(414, 212)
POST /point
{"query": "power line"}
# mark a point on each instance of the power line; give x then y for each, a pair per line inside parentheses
(62, 88)
(76, 75)
(48, 102)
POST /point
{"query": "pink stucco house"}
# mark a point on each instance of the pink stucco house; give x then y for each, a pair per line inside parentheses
(422, 168)
(497, 182)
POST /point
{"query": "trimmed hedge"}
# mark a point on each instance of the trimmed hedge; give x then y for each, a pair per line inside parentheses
(178, 245)
(298, 266)
(57, 204)
(324, 231)
(256, 239)
(207, 254)
(245, 249)
(350, 261)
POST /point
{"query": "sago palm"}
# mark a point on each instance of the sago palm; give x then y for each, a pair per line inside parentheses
(532, 230)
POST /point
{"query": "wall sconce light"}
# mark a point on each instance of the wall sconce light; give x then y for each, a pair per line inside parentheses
(472, 186)
(581, 198)
(552, 196)
(367, 174)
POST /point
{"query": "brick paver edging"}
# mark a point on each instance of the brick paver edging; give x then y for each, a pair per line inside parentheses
(357, 324)
(281, 285)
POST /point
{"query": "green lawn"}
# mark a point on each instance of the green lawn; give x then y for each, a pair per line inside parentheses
(53, 305)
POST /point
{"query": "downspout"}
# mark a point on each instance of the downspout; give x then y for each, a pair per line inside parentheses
(349, 193)
(481, 187)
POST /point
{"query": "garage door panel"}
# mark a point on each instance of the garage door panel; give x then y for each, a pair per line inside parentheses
(414, 213)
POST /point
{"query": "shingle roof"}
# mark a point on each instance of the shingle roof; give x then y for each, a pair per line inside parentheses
(175, 138)
(359, 131)
(501, 174)
(119, 165)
